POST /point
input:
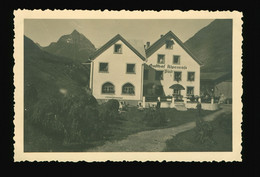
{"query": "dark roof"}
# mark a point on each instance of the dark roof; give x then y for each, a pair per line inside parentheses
(160, 42)
(113, 41)
(214, 76)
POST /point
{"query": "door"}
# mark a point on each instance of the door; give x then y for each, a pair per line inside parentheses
(176, 92)
(177, 95)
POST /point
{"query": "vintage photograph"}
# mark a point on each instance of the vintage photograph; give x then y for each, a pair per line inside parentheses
(128, 85)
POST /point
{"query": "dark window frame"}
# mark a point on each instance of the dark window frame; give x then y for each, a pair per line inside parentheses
(107, 67)
(161, 76)
(167, 43)
(158, 62)
(176, 92)
(130, 87)
(189, 72)
(179, 60)
(134, 72)
(188, 90)
(109, 85)
(174, 77)
(118, 52)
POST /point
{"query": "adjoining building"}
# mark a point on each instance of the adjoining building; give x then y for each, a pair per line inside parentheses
(171, 69)
(117, 70)
(128, 70)
(218, 85)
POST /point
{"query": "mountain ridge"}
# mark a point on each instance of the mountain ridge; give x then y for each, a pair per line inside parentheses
(213, 46)
(47, 73)
(75, 46)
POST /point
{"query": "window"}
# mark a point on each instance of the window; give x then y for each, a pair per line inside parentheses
(146, 74)
(128, 89)
(130, 68)
(103, 67)
(176, 59)
(190, 90)
(191, 76)
(177, 76)
(176, 92)
(118, 48)
(108, 88)
(159, 75)
(169, 44)
(161, 59)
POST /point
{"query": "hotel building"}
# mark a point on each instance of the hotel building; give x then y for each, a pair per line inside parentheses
(128, 70)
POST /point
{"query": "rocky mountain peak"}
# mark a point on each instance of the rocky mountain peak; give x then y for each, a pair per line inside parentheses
(75, 32)
(74, 45)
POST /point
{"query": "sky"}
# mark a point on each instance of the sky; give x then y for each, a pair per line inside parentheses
(99, 31)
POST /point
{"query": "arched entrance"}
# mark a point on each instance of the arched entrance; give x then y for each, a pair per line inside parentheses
(177, 92)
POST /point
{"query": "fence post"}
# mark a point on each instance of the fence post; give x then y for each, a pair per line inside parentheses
(185, 100)
(143, 101)
(212, 100)
(172, 104)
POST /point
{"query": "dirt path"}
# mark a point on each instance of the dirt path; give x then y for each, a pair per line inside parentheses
(153, 140)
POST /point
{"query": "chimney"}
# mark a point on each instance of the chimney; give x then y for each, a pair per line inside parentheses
(161, 35)
(147, 45)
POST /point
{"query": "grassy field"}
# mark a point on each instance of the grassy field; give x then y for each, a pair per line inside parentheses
(221, 139)
(132, 122)
(129, 122)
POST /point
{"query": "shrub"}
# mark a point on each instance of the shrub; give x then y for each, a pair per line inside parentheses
(45, 116)
(81, 119)
(71, 119)
(108, 112)
(154, 118)
(204, 132)
(112, 105)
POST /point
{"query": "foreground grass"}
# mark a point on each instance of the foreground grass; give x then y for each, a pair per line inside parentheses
(221, 139)
(132, 122)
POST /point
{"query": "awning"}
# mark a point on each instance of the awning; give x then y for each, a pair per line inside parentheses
(177, 87)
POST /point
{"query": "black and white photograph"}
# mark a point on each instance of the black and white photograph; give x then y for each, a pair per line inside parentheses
(132, 84)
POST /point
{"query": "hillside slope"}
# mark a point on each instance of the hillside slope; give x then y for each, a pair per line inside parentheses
(213, 46)
(49, 74)
(75, 46)
(55, 94)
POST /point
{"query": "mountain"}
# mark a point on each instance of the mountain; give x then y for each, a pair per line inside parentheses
(47, 75)
(75, 46)
(213, 46)
(55, 95)
(38, 45)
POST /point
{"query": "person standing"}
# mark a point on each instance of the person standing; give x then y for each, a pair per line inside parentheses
(158, 105)
(199, 108)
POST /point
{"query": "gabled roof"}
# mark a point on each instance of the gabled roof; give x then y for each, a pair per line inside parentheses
(137, 50)
(160, 42)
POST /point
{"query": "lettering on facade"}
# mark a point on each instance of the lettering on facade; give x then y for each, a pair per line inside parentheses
(167, 68)
(157, 66)
(176, 67)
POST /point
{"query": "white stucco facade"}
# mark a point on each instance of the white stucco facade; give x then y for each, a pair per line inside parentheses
(117, 73)
(115, 81)
(186, 64)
